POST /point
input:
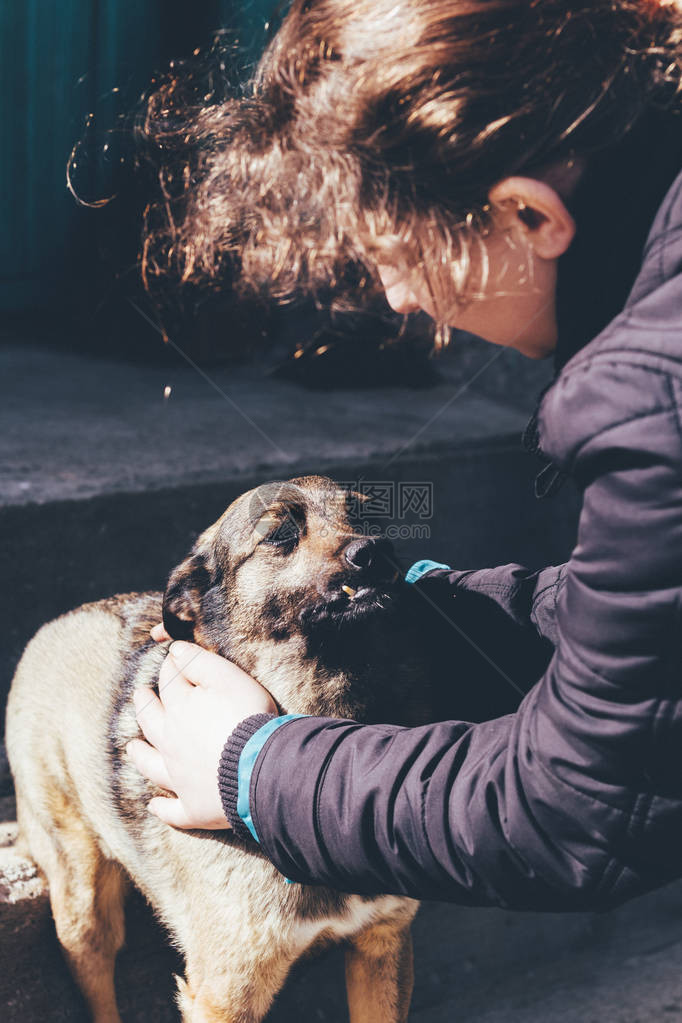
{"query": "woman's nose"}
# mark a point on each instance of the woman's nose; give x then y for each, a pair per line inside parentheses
(398, 293)
(401, 300)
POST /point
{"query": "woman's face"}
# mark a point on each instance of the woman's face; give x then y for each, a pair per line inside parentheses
(517, 307)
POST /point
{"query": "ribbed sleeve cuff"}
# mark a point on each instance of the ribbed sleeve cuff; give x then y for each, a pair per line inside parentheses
(420, 568)
(228, 771)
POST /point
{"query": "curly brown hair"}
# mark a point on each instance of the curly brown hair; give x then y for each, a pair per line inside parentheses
(372, 131)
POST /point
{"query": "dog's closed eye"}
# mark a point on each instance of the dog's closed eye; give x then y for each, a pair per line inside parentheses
(285, 534)
(280, 527)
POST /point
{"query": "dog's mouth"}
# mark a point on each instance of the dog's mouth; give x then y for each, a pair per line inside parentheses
(348, 603)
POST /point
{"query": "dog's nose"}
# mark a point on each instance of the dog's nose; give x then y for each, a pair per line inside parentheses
(371, 552)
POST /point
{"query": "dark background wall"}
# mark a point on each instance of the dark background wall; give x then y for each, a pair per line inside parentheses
(61, 60)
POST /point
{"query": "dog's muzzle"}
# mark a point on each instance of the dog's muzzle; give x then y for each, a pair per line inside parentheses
(365, 587)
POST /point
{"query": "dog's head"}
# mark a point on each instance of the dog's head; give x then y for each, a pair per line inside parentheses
(284, 560)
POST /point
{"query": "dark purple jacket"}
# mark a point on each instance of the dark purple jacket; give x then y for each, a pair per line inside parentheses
(575, 800)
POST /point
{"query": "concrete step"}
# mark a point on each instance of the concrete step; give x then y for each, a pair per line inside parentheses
(75, 427)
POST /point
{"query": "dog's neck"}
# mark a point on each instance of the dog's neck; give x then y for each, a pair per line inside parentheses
(299, 684)
(340, 675)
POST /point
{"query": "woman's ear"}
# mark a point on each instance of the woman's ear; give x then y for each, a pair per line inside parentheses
(537, 210)
(182, 599)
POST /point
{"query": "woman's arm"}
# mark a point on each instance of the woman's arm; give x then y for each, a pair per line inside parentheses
(528, 597)
(573, 802)
(477, 636)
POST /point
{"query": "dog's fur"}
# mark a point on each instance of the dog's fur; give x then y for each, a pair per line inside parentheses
(263, 586)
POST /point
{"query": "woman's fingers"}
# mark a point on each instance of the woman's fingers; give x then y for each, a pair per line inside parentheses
(170, 811)
(159, 634)
(149, 713)
(172, 682)
(202, 698)
(206, 669)
(150, 763)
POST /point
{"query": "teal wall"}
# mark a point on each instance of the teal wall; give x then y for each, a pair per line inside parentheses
(56, 58)
(59, 61)
(253, 16)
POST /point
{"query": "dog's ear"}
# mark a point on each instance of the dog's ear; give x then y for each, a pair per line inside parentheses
(182, 599)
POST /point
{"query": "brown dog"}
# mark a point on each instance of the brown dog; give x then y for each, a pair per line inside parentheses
(283, 586)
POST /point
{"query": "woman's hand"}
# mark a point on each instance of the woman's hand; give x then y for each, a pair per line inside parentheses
(202, 698)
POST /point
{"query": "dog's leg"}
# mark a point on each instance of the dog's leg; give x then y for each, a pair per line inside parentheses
(379, 975)
(86, 894)
(244, 994)
(88, 915)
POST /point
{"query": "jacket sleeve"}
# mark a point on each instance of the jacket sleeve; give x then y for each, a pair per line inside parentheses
(528, 597)
(572, 802)
(493, 627)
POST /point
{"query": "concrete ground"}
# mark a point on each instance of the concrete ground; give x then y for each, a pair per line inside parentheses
(471, 966)
(104, 483)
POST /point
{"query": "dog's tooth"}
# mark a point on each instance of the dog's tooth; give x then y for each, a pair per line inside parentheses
(349, 590)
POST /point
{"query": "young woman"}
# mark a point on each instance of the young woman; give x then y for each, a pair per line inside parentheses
(510, 167)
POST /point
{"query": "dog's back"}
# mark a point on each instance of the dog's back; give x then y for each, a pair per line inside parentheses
(68, 718)
(58, 715)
